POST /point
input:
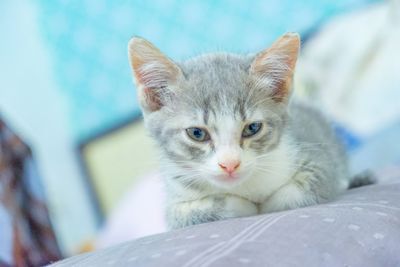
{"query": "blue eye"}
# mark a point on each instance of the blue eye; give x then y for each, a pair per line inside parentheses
(251, 129)
(198, 134)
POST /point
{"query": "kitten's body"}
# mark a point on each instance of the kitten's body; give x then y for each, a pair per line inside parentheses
(294, 160)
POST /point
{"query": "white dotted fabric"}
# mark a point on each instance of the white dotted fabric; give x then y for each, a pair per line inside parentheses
(361, 228)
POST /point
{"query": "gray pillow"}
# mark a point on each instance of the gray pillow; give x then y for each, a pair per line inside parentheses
(361, 228)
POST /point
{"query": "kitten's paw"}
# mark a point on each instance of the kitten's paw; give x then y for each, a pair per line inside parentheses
(239, 207)
(290, 196)
(211, 208)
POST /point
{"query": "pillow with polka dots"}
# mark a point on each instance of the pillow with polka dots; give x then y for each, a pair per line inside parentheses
(361, 228)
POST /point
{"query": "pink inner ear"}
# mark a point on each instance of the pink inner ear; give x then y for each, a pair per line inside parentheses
(276, 65)
(274, 72)
(152, 99)
(153, 79)
(282, 89)
(153, 72)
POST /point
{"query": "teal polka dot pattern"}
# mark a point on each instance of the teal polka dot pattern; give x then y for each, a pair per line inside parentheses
(87, 40)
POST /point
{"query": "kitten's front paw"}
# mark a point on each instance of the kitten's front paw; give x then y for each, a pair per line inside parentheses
(239, 207)
(288, 197)
(211, 208)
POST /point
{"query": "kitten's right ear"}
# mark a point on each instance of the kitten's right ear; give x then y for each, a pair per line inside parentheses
(153, 72)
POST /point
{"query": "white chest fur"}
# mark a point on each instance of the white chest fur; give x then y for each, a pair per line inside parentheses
(276, 171)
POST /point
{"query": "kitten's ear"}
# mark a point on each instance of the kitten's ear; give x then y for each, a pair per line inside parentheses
(153, 72)
(274, 67)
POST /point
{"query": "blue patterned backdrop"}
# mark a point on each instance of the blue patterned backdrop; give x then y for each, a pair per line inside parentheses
(88, 41)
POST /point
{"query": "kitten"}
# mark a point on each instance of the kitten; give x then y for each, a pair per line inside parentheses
(231, 143)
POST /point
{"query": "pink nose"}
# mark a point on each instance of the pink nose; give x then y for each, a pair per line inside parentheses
(229, 166)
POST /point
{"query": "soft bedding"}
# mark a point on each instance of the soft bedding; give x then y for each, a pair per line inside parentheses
(361, 228)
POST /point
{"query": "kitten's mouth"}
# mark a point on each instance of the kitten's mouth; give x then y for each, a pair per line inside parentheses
(231, 177)
(225, 180)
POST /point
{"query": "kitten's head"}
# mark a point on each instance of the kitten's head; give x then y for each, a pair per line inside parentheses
(215, 116)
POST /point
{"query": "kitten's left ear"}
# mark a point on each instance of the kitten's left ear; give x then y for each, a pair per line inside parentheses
(274, 67)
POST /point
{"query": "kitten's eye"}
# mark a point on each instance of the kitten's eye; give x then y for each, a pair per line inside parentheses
(198, 134)
(251, 129)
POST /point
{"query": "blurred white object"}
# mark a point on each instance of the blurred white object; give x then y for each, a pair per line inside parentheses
(350, 69)
(139, 213)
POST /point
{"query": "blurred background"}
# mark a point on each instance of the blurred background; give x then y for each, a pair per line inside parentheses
(77, 171)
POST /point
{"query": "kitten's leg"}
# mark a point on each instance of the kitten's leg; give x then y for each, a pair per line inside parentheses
(211, 208)
(304, 189)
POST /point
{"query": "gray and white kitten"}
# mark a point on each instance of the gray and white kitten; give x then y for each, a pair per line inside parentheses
(231, 144)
